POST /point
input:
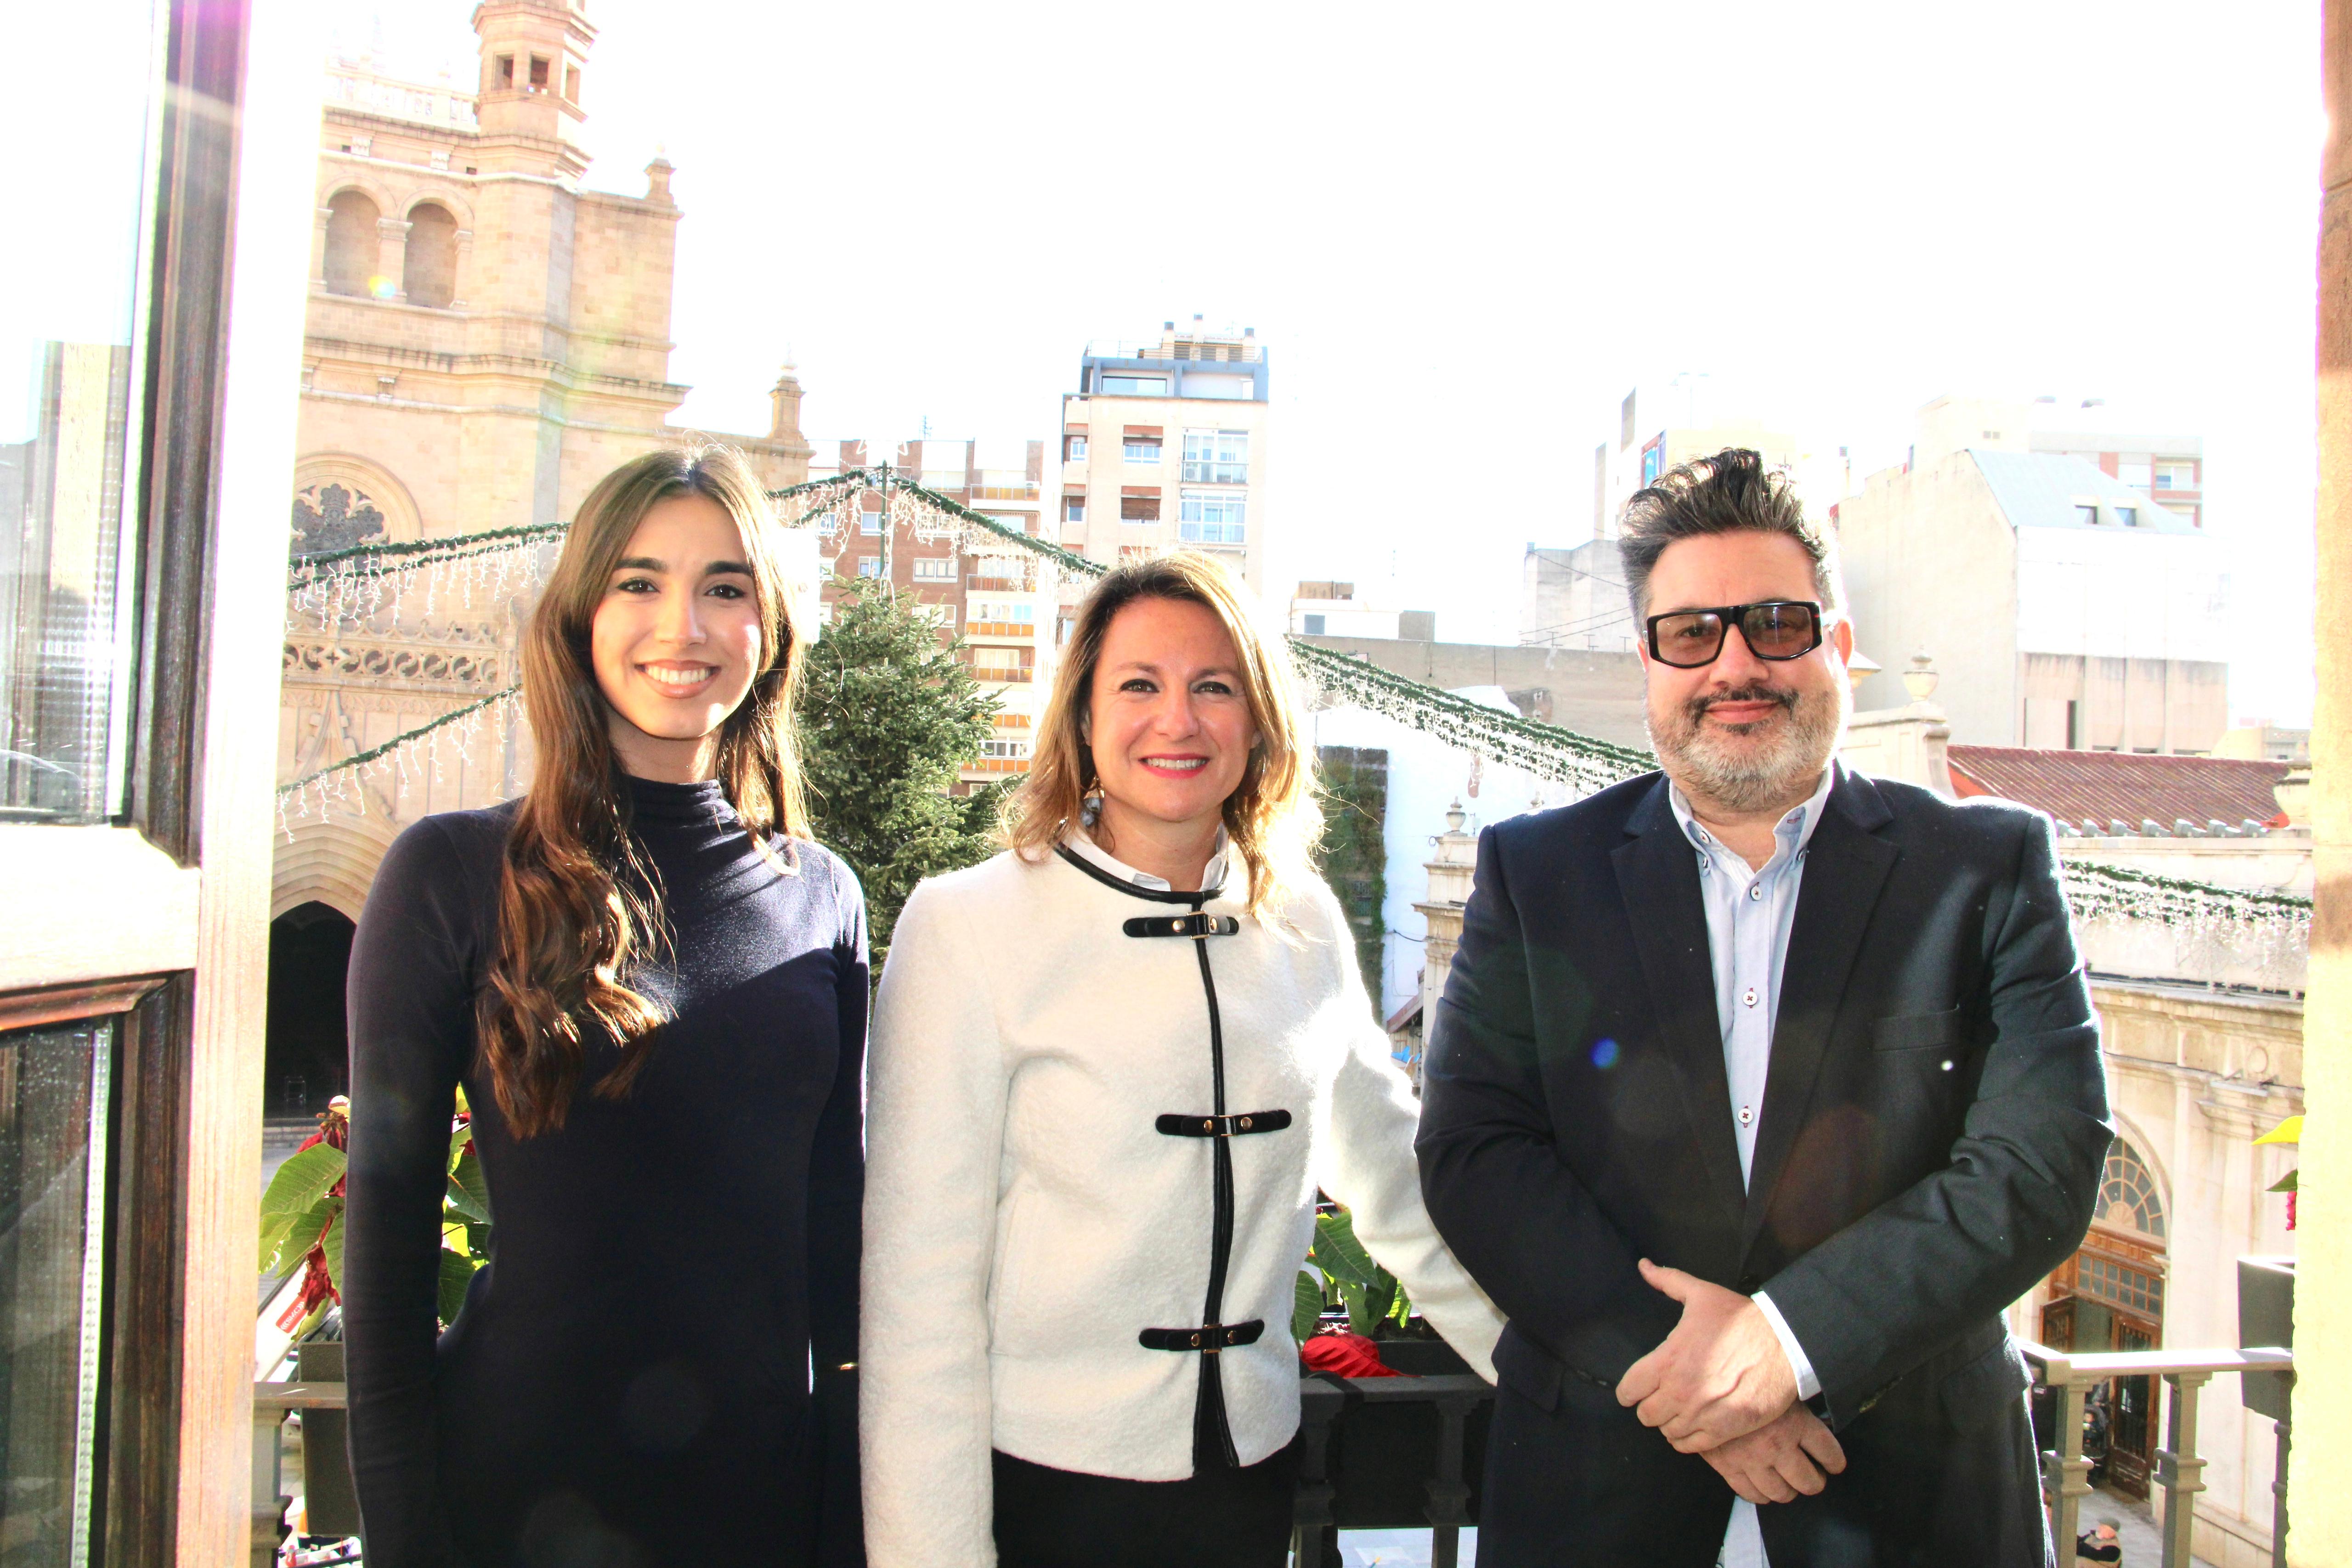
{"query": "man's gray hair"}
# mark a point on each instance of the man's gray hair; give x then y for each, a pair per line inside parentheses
(1731, 492)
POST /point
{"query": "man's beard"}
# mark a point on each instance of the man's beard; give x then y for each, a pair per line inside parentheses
(1718, 764)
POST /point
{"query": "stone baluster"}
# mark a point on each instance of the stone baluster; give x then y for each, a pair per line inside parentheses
(2179, 1469)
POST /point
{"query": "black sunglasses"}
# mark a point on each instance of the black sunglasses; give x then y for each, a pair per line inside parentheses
(1777, 629)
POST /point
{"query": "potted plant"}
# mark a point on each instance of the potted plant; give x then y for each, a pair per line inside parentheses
(1381, 1464)
(303, 1227)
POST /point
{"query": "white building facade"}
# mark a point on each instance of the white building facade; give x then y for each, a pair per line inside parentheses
(1164, 444)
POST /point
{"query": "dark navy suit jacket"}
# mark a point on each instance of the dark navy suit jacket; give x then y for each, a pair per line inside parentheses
(1933, 1132)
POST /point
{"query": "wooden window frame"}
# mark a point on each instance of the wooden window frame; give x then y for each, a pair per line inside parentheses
(159, 920)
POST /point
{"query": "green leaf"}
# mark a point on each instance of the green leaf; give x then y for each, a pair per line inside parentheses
(1306, 1305)
(470, 1189)
(298, 1185)
(457, 1142)
(299, 1235)
(456, 1273)
(1338, 1252)
(331, 1244)
(2285, 1183)
(477, 1242)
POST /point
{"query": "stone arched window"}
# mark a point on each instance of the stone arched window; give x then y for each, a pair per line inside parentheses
(352, 247)
(429, 274)
(2128, 1200)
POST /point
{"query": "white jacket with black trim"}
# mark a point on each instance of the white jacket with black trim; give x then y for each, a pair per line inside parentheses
(1047, 1238)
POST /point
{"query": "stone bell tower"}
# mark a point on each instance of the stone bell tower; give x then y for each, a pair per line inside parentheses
(535, 62)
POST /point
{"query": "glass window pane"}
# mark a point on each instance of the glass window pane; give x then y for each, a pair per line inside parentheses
(53, 1088)
(67, 438)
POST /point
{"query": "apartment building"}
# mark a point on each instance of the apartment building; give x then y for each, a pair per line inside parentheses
(1329, 608)
(1164, 444)
(988, 592)
(2065, 608)
(2167, 468)
(1571, 596)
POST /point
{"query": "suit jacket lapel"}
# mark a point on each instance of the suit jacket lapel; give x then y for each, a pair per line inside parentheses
(1846, 867)
(1657, 874)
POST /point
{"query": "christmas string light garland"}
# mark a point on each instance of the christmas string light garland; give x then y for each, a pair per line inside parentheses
(345, 580)
(1545, 750)
(2096, 890)
(333, 782)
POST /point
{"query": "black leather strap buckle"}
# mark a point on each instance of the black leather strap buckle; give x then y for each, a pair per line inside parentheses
(1194, 925)
(1177, 1126)
(1208, 1340)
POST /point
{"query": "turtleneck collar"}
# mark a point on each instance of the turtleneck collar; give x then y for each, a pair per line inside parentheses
(702, 804)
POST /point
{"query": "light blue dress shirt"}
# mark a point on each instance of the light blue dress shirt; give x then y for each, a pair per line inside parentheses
(1749, 912)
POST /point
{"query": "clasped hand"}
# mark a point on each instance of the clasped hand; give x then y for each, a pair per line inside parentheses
(1721, 1386)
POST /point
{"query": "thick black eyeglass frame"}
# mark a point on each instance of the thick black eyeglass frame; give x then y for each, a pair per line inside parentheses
(1729, 615)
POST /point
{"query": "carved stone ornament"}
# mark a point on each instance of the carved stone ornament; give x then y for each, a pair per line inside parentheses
(332, 516)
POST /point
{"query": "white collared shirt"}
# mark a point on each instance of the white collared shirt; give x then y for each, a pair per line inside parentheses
(1749, 913)
(1082, 843)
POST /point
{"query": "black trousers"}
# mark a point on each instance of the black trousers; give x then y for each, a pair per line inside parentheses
(1047, 1518)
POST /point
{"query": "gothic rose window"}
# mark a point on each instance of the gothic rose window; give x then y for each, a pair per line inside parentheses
(329, 516)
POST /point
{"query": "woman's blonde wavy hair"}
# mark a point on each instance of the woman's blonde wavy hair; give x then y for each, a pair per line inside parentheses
(1271, 816)
(578, 908)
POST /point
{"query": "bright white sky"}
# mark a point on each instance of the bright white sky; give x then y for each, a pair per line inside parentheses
(1462, 234)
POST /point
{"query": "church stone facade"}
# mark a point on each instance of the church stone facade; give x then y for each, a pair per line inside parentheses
(486, 337)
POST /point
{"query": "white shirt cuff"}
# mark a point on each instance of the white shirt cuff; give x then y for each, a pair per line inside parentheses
(1807, 1384)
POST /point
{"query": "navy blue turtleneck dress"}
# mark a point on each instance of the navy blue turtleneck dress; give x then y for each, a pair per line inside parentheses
(646, 1372)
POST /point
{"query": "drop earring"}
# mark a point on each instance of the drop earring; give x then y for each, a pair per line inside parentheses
(1090, 807)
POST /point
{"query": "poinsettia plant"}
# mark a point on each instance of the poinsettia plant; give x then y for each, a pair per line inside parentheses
(1345, 1275)
(302, 1218)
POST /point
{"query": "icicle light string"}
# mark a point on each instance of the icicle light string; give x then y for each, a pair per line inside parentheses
(339, 780)
(2095, 890)
(367, 576)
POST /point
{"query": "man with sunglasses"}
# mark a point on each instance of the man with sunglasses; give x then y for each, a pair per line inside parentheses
(1758, 1089)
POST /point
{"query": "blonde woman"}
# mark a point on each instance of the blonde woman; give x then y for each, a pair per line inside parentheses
(653, 987)
(1111, 1066)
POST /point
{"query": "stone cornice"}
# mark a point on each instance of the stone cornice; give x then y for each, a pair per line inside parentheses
(2230, 1100)
(510, 410)
(472, 367)
(2182, 1000)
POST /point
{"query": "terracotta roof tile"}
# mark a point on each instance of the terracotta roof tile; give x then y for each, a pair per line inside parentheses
(2107, 786)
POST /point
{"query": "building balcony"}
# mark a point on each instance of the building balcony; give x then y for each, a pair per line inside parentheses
(1022, 631)
(995, 585)
(1000, 676)
(1387, 1453)
(997, 491)
(997, 764)
(1176, 350)
(1199, 473)
(2065, 1380)
(1379, 1453)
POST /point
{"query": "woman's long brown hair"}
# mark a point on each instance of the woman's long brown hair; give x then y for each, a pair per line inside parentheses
(578, 906)
(1271, 816)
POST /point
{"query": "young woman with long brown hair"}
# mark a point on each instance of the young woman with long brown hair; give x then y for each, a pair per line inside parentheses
(1111, 1066)
(653, 987)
